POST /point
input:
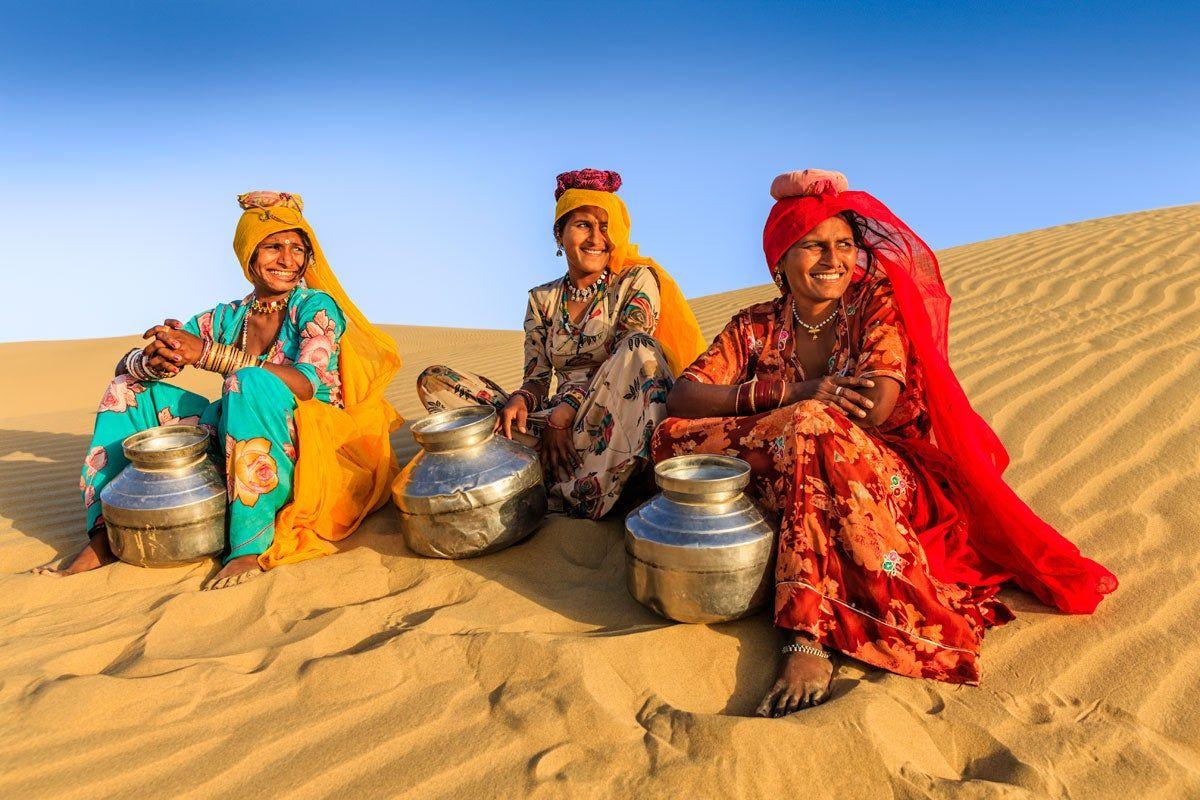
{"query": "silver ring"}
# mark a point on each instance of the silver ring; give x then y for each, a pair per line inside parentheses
(837, 392)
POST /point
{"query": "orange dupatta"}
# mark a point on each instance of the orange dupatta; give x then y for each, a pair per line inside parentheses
(677, 330)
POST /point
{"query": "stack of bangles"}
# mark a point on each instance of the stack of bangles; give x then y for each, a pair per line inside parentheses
(531, 403)
(138, 369)
(223, 358)
(757, 396)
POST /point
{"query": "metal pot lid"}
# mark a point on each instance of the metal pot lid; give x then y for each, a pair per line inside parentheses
(166, 446)
(702, 478)
(455, 429)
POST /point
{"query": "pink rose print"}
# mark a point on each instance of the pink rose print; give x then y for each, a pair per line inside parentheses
(254, 470)
(317, 346)
(205, 323)
(232, 385)
(89, 496)
(121, 394)
(95, 460)
(165, 418)
(289, 451)
(276, 355)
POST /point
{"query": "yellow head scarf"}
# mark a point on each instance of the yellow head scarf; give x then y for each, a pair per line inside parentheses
(345, 463)
(677, 331)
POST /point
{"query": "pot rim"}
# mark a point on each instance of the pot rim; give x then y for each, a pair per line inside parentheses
(733, 475)
(135, 449)
(455, 428)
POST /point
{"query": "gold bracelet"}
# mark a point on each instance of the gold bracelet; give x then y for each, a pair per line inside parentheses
(223, 356)
(208, 357)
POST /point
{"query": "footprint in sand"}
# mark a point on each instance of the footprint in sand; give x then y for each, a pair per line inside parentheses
(554, 763)
(1049, 707)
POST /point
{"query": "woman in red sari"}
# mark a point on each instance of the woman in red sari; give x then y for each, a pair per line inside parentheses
(896, 528)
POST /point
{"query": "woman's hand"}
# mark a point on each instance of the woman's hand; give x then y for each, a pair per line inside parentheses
(514, 415)
(837, 391)
(171, 348)
(559, 458)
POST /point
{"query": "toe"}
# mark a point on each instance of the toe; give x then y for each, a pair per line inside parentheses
(793, 704)
(781, 704)
(768, 703)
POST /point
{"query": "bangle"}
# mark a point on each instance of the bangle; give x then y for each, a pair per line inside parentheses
(224, 359)
(570, 400)
(804, 648)
(137, 368)
(530, 400)
(204, 348)
(744, 400)
(768, 394)
(550, 424)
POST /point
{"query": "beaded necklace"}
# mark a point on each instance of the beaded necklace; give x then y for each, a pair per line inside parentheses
(576, 295)
(259, 307)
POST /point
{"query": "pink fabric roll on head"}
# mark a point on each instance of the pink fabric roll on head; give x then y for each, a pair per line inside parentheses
(599, 180)
(267, 199)
(808, 182)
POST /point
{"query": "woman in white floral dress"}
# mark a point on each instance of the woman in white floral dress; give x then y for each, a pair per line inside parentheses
(614, 331)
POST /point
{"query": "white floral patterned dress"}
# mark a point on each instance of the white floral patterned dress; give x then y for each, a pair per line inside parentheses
(608, 366)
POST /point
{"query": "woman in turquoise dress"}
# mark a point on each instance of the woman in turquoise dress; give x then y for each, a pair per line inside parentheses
(277, 346)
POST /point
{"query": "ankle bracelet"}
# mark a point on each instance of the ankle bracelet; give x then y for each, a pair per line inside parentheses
(804, 648)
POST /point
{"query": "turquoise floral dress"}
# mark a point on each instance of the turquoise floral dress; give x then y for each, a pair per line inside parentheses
(251, 427)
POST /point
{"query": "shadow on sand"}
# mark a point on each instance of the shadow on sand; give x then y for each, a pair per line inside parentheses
(39, 486)
(576, 568)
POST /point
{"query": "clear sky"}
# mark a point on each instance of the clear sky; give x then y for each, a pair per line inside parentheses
(425, 137)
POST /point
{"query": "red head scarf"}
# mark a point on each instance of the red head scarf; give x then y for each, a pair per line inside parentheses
(1011, 539)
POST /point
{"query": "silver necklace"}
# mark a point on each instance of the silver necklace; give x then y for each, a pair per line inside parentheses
(576, 295)
(813, 330)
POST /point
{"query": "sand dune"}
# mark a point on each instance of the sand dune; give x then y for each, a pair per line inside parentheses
(375, 673)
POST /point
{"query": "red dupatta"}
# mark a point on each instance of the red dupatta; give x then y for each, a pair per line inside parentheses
(1005, 538)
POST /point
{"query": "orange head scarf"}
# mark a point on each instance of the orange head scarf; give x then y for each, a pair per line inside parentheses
(677, 331)
(344, 459)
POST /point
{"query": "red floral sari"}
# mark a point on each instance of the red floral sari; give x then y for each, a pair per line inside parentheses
(855, 502)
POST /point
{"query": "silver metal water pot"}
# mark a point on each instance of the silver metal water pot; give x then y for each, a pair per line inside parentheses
(167, 507)
(468, 492)
(700, 551)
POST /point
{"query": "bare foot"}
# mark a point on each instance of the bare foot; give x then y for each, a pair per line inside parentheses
(238, 570)
(803, 682)
(96, 554)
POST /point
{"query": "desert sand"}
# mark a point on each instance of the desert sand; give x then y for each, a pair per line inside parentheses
(375, 673)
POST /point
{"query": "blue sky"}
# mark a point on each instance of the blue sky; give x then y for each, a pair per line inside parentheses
(425, 137)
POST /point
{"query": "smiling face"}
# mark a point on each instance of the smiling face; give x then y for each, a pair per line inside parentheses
(818, 268)
(279, 263)
(584, 240)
